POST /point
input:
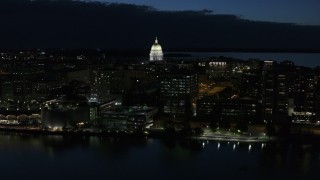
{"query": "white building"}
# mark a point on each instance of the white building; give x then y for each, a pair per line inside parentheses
(156, 53)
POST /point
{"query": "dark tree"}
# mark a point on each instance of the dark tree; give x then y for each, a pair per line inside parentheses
(242, 126)
(198, 131)
(213, 125)
(270, 129)
(225, 124)
(285, 127)
(186, 129)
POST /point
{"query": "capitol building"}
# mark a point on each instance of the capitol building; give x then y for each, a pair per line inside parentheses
(156, 53)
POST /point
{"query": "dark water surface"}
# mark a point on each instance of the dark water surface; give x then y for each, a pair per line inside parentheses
(57, 157)
(300, 59)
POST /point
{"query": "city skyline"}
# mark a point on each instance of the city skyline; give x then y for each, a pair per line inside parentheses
(159, 89)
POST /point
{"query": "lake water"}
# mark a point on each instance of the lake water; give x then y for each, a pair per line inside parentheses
(57, 157)
(301, 59)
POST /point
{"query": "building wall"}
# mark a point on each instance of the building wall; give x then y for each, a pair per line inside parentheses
(179, 92)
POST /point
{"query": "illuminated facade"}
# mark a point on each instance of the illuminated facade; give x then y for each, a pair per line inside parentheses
(156, 53)
(268, 89)
(304, 97)
(65, 112)
(122, 118)
(216, 69)
(179, 90)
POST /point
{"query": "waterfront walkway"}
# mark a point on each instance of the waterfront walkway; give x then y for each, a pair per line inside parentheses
(230, 136)
(207, 135)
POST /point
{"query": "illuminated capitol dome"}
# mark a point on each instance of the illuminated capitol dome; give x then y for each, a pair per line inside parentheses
(156, 53)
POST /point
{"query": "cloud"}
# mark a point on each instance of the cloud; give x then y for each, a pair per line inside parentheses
(75, 24)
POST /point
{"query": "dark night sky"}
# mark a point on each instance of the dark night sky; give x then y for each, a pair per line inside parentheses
(79, 24)
(289, 11)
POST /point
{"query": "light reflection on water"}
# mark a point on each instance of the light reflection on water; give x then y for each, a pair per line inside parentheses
(28, 156)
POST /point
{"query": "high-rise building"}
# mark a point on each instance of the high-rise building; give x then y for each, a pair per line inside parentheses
(304, 96)
(268, 90)
(179, 90)
(284, 90)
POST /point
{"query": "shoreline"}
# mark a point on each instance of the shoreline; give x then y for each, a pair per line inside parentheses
(157, 134)
(152, 133)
